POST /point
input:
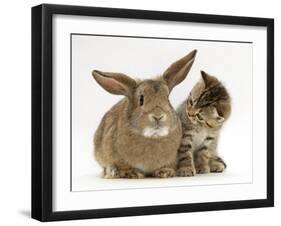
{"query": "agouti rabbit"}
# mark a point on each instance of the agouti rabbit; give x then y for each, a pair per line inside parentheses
(140, 135)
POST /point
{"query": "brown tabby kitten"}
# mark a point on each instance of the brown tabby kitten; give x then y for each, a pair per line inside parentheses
(202, 116)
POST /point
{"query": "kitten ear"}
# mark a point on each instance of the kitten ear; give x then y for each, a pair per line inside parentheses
(178, 71)
(208, 79)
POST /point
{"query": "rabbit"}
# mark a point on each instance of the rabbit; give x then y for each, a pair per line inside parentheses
(140, 135)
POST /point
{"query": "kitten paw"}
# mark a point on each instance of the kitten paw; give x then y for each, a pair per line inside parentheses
(164, 173)
(131, 174)
(188, 171)
(217, 167)
(203, 169)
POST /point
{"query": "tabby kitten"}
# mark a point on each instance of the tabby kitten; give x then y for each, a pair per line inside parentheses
(202, 116)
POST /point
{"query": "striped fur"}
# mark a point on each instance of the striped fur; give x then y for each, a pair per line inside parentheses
(202, 116)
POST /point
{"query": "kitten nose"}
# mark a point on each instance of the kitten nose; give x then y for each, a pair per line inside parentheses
(158, 118)
(192, 112)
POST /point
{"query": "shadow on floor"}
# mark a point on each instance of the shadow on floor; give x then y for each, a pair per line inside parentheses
(25, 213)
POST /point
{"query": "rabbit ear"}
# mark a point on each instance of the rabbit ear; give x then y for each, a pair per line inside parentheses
(115, 83)
(177, 72)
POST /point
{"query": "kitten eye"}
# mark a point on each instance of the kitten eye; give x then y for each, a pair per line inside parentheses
(191, 102)
(199, 117)
(141, 100)
(220, 119)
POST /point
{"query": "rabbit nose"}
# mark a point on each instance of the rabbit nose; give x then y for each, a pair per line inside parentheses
(158, 118)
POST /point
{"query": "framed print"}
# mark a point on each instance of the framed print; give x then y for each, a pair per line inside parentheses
(145, 112)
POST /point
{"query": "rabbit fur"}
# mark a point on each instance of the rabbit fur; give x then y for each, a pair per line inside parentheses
(140, 135)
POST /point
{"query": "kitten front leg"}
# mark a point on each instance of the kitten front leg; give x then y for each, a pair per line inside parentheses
(202, 159)
(185, 167)
(217, 165)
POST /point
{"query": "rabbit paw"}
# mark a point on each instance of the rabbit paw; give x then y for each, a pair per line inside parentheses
(202, 169)
(164, 173)
(131, 174)
(186, 171)
(110, 172)
(217, 167)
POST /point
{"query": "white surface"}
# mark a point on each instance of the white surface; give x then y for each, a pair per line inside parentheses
(93, 182)
(234, 70)
(15, 114)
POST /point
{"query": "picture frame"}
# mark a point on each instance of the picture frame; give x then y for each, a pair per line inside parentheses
(43, 100)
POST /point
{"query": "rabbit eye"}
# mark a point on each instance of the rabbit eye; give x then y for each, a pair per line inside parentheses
(141, 100)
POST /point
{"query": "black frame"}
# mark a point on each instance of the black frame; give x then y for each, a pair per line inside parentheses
(42, 111)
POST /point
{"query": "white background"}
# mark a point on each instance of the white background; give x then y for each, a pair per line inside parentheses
(147, 58)
(15, 112)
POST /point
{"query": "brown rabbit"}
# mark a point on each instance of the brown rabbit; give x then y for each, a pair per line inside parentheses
(140, 135)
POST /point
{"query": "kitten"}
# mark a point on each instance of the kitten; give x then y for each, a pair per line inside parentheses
(202, 116)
